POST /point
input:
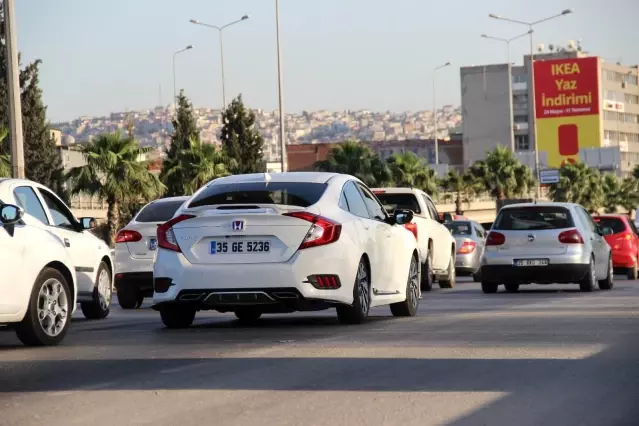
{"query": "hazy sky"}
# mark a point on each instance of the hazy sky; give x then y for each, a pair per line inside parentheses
(104, 56)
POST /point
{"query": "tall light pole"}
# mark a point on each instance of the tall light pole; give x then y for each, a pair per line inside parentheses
(280, 88)
(13, 82)
(507, 41)
(435, 112)
(220, 30)
(189, 47)
(530, 26)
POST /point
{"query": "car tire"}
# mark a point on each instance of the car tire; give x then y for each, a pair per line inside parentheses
(408, 308)
(477, 276)
(357, 313)
(589, 281)
(175, 316)
(31, 330)
(128, 299)
(489, 288)
(609, 282)
(512, 288)
(633, 273)
(100, 307)
(449, 281)
(427, 274)
(139, 301)
(248, 315)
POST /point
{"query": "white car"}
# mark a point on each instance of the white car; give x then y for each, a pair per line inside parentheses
(52, 262)
(135, 247)
(437, 247)
(260, 243)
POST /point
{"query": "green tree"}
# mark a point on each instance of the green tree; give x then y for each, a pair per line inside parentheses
(629, 194)
(612, 195)
(462, 185)
(356, 159)
(409, 170)
(5, 159)
(199, 164)
(184, 131)
(579, 184)
(502, 175)
(241, 140)
(115, 174)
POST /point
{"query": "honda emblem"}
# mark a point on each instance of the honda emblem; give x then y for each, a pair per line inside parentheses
(238, 225)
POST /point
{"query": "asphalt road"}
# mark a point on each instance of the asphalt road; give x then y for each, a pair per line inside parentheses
(545, 356)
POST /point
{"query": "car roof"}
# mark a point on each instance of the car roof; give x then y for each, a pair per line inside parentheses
(167, 199)
(546, 204)
(396, 190)
(310, 177)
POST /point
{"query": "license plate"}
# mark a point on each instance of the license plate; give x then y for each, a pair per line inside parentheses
(153, 244)
(531, 262)
(241, 247)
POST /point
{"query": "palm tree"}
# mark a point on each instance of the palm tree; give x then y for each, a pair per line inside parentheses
(199, 164)
(115, 174)
(612, 192)
(409, 170)
(579, 184)
(462, 185)
(358, 160)
(5, 159)
(629, 194)
(502, 175)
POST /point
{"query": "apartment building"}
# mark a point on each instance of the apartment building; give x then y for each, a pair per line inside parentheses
(586, 108)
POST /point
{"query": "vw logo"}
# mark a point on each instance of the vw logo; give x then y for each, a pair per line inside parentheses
(238, 225)
(531, 238)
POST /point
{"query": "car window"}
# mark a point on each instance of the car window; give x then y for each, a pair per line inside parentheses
(460, 228)
(531, 218)
(375, 209)
(479, 231)
(590, 224)
(633, 227)
(299, 194)
(394, 202)
(160, 211)
(28, 200)
(616, 224)
(354, 201)
(433, 210)
(427, 212)
(60, 214)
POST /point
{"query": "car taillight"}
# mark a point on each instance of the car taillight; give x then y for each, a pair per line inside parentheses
(624, 237)
(412, 227)
(467, 247)
(127, 236)
(495, 239)
(323, 231)
(166, 236)
(572, 236)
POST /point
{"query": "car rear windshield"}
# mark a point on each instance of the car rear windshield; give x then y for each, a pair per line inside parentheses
(459, 228)
(613, 223)
(160, 211)
(394, 202)
(533, 218)
(301, 194)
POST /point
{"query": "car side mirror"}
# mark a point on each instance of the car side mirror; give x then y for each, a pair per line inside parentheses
(402, 217)
(10, 214)
(88, 223)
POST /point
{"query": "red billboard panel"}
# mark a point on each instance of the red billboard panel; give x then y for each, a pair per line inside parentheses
(567, 87)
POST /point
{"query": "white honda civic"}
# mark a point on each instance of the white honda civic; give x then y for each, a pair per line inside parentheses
(259, 243)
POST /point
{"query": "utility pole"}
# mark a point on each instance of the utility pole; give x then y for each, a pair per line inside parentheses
(280, 91)
(13, 83)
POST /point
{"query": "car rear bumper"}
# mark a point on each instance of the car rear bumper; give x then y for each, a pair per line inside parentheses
(551, 274)
(140, 282)
(623, 259)
(467, 264)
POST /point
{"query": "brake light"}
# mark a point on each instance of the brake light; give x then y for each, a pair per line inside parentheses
(412, 227)
(467, 247)
(624, 237)
(166, 236)
(379, 191)
(128, 236)
(572, 236)
(325, 282)
(323, 231)
(495, 238)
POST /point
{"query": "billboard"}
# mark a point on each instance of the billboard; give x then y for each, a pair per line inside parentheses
(567, 108)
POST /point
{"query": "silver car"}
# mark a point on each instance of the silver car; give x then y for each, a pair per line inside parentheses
(469, 240)
(546, 243)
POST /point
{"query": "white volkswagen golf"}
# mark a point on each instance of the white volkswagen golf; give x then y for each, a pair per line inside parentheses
(259, 243)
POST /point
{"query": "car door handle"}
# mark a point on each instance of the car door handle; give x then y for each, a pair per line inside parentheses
(67, 243)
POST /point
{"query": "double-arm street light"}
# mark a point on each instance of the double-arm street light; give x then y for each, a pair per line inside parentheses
(435, 112)
(189, 47)
(507, 41)
(530, 26)
(220, 30)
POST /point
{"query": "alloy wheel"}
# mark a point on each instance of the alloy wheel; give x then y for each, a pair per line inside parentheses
(413, 283)
(104, 289)
(53, 307)
(363, 288)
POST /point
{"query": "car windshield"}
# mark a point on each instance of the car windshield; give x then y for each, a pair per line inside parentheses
(160, 211)
(394, 202)
(533, 218)
(613, 223)
(301, 194)
(459, 228)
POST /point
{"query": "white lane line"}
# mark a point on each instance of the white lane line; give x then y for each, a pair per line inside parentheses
(181, 368)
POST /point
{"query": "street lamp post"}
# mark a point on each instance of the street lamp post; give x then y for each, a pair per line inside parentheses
(189, 47)
(435, 112)
(220, 30)
(530, 26)
(280, 89)
(13, 83)
(507, 41)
